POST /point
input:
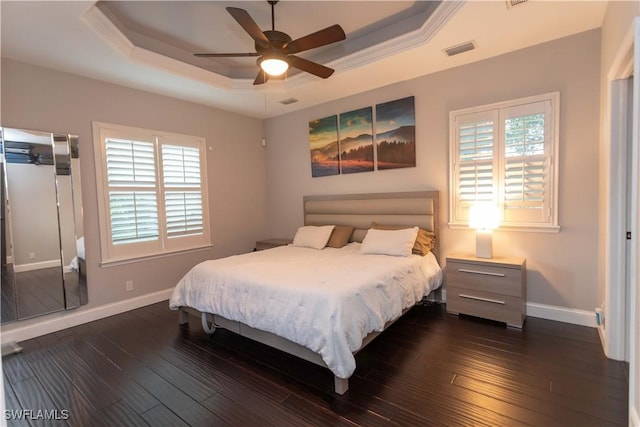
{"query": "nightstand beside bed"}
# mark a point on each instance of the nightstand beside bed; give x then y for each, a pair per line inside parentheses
(491, 288)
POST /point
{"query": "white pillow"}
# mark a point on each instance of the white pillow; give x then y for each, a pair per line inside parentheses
(389, 242)
(311, 236)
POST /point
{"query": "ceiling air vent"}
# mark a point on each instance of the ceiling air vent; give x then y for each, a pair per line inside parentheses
(514, 3)
(457, 49)
(288, 101)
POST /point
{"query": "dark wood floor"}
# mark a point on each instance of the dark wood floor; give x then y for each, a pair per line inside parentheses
(429, 368)
(8, 307)
(39, 291)
(34, 292)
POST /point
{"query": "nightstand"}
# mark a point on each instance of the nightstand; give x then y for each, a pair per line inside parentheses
(494, 288)
(271, 243)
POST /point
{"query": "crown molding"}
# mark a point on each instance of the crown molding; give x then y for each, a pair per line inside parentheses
(181, 69)
(407, 41)
(108, 31)
(102, 26)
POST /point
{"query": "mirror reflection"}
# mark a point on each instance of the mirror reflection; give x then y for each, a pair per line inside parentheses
(43, 267)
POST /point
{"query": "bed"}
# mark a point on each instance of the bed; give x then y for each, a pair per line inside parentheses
(323, 305)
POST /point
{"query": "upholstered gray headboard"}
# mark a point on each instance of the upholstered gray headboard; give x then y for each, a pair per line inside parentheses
(416, 208)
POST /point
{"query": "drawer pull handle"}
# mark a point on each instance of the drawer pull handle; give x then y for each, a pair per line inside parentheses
(494, 301)
(486, 273)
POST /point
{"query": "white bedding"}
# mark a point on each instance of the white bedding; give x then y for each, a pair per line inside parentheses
(326, 300)
(74, 264)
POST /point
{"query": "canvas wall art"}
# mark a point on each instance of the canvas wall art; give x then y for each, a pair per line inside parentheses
(356, 141)
(396, 134)
(323, 143)
(345, 143)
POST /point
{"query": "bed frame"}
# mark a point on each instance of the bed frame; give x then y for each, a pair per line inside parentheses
(359, 210)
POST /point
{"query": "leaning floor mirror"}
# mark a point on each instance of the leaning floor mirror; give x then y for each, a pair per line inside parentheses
(43, 259)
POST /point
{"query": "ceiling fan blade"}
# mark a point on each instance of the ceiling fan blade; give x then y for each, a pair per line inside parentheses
(246, 21)
(261, 78)
(329, 35)
(309, 66)
(225, 55)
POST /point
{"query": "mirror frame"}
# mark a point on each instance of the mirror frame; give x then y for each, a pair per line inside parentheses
(65, 161)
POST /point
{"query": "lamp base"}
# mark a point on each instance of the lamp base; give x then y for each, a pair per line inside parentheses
(483, 244)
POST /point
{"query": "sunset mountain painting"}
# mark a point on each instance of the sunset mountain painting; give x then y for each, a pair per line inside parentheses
(356, 141)
(396, 134)
(323, 144)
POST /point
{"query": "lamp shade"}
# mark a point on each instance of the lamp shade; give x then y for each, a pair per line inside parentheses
(274, 66)
(484, 217)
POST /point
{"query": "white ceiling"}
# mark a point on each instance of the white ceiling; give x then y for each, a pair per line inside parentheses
(148, 45)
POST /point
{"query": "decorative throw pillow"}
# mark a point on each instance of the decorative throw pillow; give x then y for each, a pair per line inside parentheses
(425, 241)
(389, 242)
(311, 236)
(340, 236)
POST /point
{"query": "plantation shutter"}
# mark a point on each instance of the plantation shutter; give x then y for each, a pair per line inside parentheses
(527, 163)
(131, 181)
(152, 192)
(183, 190)
(476, 165)
(506, 154)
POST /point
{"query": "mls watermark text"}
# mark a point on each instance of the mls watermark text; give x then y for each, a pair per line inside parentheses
(40, 414)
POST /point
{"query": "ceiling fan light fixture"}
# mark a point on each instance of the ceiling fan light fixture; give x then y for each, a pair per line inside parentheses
(274, 66)
(276, 50)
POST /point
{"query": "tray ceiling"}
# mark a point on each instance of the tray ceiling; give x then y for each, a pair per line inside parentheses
(148, 45)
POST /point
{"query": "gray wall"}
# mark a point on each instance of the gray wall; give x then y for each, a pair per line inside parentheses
(42, 99)
(562, 267)
(34, 217)
(257, 192)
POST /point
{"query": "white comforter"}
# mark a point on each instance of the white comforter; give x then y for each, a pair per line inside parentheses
(326, 300)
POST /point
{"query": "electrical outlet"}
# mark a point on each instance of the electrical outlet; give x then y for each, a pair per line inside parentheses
(129, 284)
(32, 255)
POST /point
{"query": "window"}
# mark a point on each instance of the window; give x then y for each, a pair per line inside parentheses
(506, 154)
(151, 192)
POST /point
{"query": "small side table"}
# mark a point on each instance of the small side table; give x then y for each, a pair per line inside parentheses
(271, 243)
(494, 288)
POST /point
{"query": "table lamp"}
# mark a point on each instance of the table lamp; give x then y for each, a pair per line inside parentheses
(484, 218)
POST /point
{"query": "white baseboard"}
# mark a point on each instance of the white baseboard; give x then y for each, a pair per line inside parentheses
(634, 417)
(37, 265)
(562, 314)
(58, 321)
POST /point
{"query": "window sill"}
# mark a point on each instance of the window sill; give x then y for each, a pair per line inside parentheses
(531, 228)
(148, 257)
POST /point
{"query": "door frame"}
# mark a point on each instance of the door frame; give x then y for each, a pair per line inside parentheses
(614, 331)
(619, 333)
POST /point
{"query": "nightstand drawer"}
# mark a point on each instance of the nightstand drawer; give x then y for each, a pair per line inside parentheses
(487, 278)
(502, 308)
(493, 288)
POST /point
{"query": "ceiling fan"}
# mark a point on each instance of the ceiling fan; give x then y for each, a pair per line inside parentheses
(275, 50)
